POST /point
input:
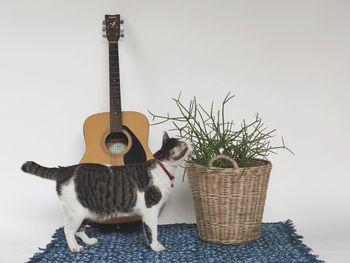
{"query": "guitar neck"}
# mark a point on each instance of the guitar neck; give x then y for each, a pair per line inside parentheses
(114, 89)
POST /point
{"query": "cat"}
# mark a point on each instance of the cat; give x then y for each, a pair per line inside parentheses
(100, 192)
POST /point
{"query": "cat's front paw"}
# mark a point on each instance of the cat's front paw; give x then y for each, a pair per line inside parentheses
(156, 246)
(76, 249)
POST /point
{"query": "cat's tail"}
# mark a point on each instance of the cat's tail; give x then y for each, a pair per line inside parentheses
(43, 172)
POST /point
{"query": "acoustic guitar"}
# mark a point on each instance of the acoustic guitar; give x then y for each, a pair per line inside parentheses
(116, 137)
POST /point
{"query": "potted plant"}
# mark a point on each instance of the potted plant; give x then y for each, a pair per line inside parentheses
(228, 171)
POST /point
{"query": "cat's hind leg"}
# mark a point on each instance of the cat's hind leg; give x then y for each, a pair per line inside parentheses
(71, 227)
(83, 236)
(74, 214)
(73, 219)
(150, 228)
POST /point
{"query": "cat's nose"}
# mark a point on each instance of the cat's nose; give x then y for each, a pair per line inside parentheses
(188, 146)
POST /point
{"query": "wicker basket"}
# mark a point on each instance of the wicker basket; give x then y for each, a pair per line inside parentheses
(229, 203)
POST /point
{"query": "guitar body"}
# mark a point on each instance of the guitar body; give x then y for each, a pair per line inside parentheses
(135, 129)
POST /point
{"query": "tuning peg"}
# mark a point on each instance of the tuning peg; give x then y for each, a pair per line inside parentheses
(121, 29)
(122, 36)
(104, 36)
(121, 22)
(104, 22)
(104, 29)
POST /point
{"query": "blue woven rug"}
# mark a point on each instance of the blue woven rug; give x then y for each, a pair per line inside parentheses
(279, 243)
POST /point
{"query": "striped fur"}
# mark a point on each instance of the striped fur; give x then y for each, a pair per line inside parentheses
(43, 172)
(100, 192)
(105, 190)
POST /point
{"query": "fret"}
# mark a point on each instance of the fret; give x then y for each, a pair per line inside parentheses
(114, 89)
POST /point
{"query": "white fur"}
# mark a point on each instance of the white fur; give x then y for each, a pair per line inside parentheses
(75, 213)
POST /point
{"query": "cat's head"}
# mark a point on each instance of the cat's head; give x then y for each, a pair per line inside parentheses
(173, 150)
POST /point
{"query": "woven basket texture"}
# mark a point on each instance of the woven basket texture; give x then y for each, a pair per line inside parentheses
(229, 203)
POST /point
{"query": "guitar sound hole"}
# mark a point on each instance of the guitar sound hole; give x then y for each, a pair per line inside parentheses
(116, 142)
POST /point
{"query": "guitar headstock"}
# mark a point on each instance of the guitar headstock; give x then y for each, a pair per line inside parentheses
(112, 27)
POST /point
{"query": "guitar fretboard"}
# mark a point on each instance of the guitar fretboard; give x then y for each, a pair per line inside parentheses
(114, 89)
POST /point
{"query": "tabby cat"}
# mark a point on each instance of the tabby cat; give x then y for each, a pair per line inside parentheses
(100, 192)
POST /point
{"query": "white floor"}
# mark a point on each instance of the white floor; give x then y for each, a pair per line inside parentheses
(330, 242)
(32, 217)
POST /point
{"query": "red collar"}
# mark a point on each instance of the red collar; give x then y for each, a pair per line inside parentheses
(166, 171)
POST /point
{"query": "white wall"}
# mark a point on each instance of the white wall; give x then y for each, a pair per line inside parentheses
(287, 60)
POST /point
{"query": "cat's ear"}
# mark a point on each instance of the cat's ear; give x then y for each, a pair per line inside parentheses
(165, 137)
